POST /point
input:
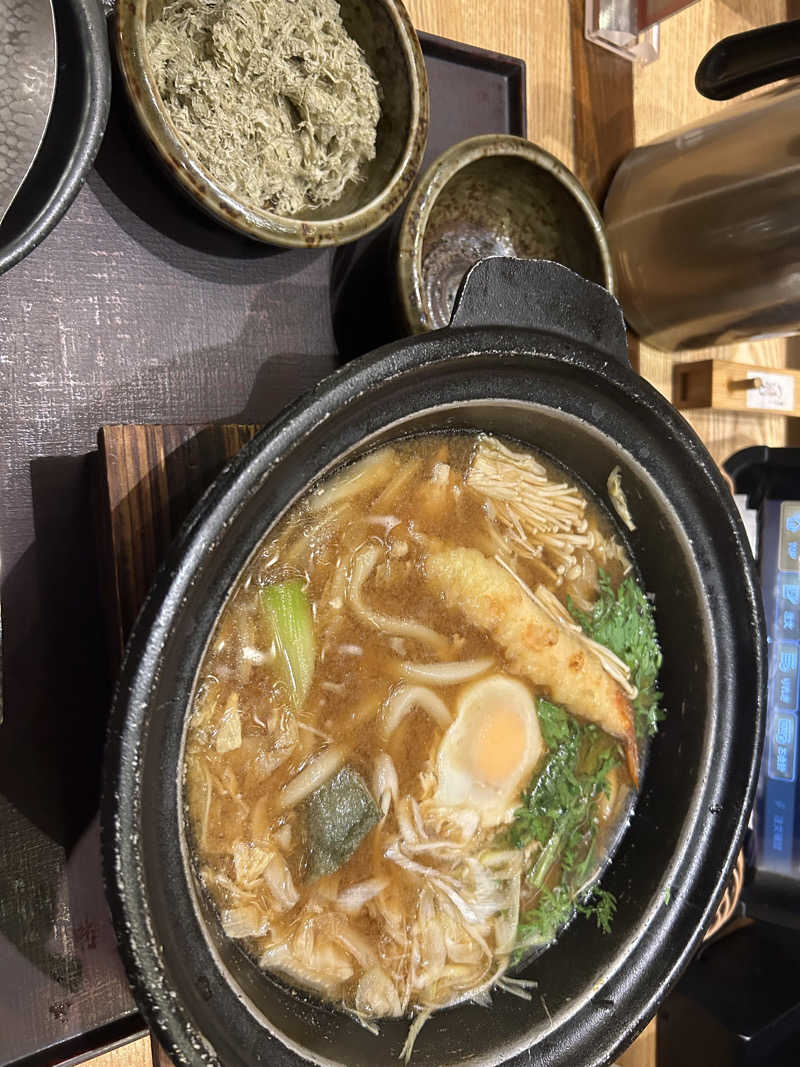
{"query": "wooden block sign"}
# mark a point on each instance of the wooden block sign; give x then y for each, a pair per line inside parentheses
(726, 386)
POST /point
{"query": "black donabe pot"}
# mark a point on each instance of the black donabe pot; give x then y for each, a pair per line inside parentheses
(554, 375)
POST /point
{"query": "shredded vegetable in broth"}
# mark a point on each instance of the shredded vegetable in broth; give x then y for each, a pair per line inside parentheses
(418, 725)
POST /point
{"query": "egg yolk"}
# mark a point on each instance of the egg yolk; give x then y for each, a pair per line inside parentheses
(497, 745)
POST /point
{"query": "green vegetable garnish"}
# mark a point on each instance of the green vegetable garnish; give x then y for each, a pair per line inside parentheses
(602, 905)
(539, 924)
(288, 612)
(554, 907)
(558, 810)
(623, 622)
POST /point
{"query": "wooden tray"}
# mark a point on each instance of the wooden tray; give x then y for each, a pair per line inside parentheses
(151, 476)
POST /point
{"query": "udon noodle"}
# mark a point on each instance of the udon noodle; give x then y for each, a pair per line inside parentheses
(418, 725)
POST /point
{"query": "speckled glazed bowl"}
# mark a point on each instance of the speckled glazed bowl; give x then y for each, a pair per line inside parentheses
(494, 195)
(383, 30)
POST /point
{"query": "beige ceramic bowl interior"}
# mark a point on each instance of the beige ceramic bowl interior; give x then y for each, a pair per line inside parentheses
(384, 31)
(494, 195)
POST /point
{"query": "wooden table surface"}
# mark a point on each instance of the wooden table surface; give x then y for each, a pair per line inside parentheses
(543, 33)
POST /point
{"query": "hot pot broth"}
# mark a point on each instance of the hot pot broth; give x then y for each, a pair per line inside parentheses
(407, 753)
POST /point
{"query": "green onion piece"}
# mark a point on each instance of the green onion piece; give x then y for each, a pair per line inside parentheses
(288, 611)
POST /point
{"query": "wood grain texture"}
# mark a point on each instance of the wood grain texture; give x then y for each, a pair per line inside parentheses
(151, 477)
(726, 385)
(603, 119)
(137, 1053)
(642, 1052)
(602, 89)
(147, 1053)
(537, 32)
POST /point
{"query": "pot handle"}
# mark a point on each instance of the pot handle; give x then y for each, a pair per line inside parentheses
(748, 60)
(537, 294)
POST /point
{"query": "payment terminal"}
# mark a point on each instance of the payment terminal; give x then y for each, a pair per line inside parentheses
(738, 1003)
(767, 484)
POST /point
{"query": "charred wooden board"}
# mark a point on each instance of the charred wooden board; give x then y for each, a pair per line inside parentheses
(151, 477)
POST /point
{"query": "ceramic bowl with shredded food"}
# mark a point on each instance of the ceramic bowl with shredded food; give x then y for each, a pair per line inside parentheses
(551, 374)
(492, 195)
(296, 122)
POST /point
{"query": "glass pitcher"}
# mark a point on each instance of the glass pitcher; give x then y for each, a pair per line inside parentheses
(704, 224)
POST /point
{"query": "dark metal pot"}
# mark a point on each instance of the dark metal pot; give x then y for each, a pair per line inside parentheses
(553, 373)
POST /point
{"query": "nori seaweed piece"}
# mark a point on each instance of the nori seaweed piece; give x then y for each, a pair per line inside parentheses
(338, 816)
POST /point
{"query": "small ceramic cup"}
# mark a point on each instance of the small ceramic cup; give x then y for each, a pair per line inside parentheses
(494, 195)
(384, 31)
